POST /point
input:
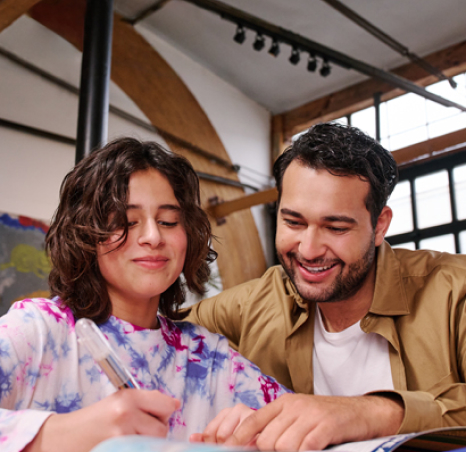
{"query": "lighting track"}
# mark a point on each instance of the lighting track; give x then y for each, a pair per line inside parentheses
(302, 44)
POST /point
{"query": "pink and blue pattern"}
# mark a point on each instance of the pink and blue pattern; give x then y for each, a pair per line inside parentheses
(44, 370)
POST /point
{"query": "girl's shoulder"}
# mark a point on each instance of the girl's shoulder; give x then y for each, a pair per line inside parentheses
(39, 312)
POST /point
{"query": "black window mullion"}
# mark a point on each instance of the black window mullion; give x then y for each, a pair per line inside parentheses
(414, 211)
(451, 186)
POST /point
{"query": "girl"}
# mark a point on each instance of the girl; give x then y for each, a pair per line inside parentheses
(128, 224)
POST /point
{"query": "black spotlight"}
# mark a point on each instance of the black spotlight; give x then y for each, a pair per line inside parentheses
(325, 69)
(274, 48)
(294, 58)
(259, 43)
(240, 35)
(312, 63)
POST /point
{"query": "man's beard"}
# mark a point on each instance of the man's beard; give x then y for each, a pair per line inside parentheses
(343, 287)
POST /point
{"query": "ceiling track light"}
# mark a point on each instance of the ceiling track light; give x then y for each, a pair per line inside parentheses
(312, 63)
(325, 69)
(240, 34)
(294, 57)
(259, 43)
(274, 48)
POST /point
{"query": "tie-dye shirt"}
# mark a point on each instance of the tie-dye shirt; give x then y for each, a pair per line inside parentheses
(43, 369)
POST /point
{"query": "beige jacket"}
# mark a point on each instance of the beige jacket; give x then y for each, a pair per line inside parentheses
(418, 307)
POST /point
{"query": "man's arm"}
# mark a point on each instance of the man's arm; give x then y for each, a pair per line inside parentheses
(444, 403)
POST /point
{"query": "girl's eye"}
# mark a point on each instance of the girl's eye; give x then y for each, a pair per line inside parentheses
(168, 224)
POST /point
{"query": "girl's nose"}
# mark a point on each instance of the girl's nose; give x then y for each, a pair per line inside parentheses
(151, 234)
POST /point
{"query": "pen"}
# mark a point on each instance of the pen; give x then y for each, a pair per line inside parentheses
(97, 345)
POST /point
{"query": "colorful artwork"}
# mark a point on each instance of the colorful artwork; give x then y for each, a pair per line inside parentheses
(24, 266)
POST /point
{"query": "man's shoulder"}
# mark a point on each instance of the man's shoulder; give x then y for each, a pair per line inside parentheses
(424, 262)
(273, 280)
(404, 276)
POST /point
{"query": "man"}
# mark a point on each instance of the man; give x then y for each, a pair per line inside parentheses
(372, 338)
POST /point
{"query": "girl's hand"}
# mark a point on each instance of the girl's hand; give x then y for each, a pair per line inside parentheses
(126, 412)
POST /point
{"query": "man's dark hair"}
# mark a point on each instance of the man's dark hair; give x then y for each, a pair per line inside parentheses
(344, 151)
(93, 201)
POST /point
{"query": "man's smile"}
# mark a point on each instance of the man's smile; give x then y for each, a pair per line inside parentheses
(314, 269)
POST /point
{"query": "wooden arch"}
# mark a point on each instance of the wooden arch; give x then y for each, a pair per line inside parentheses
(169, 105)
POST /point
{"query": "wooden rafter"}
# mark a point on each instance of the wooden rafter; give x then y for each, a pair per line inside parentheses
(431, 148)
(10, 10)
(223, 209)
(451, 61)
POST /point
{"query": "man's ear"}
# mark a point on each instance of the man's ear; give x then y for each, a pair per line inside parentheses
(383, 222)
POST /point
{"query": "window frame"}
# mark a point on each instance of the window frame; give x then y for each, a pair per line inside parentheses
(411, 173)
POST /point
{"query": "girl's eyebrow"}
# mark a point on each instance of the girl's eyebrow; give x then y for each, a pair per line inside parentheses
(163, 207)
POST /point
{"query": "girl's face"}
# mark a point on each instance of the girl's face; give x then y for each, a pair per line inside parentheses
(153, 256)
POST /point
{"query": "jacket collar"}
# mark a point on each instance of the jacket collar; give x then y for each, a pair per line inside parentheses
(389, 294)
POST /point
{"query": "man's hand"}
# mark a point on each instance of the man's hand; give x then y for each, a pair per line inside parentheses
(223, 425)
(125, 412)
(305, 422)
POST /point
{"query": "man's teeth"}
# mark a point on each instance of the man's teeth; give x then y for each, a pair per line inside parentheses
(317, 269)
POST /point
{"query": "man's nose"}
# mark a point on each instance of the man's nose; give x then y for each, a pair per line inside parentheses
(311, 244)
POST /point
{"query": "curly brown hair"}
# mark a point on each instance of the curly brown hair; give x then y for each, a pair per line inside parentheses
(93, 199)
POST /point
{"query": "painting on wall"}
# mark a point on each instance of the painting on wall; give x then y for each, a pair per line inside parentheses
(24, 265)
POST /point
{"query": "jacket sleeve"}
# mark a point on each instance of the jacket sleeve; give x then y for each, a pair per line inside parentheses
(444, 403)
(426, 410)
(21, 345)
(223, 313)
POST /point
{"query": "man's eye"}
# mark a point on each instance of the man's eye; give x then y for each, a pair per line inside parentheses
(132, 223)
(291, 222)
(337, 230)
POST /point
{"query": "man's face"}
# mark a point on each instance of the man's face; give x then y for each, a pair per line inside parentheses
(325, 239)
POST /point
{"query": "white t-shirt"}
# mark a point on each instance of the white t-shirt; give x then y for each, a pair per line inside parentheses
(350, 362)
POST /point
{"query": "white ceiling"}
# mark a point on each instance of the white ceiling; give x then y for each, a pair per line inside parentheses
(424, 26)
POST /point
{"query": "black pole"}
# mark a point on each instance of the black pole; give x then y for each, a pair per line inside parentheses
(95, 77)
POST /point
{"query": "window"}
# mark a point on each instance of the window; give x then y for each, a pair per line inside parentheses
(429, 206)
(410, 119)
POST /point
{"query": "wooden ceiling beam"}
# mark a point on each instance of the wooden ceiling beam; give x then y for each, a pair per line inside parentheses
(427, 150)
(222, 209)
(10, 10)
(451, 61)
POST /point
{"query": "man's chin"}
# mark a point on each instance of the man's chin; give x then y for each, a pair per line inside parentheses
(313, 294)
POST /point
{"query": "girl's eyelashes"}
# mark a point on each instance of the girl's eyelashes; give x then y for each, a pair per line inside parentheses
(168, 224)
